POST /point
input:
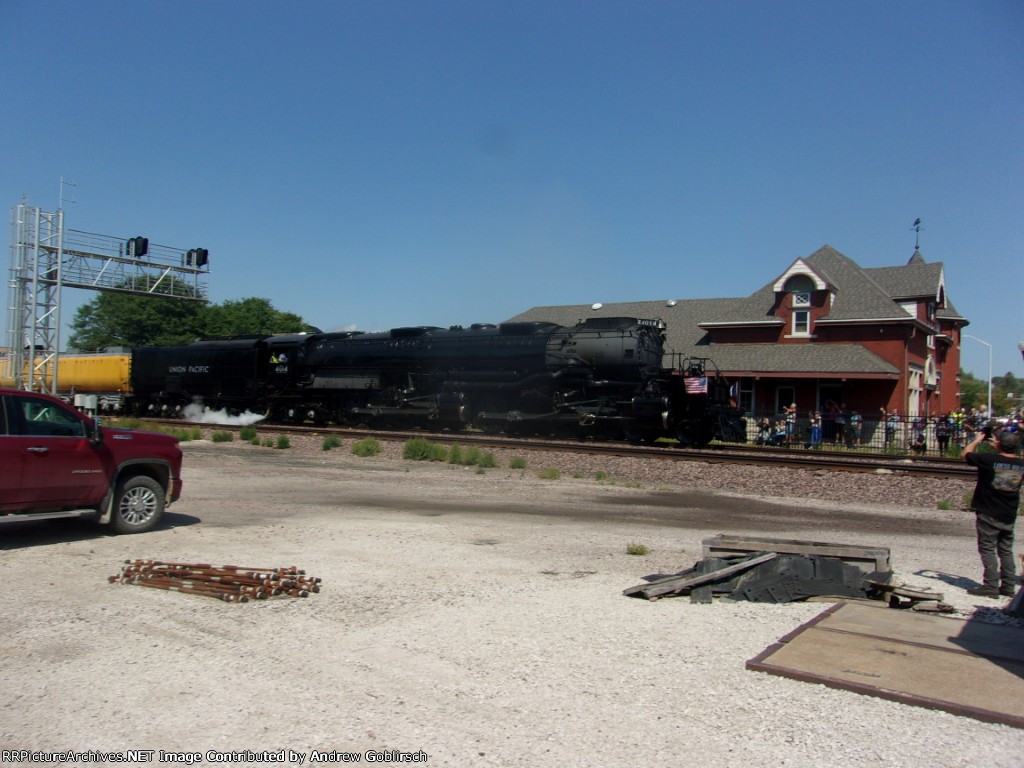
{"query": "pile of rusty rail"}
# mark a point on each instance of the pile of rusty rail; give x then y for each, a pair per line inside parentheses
(230, 583)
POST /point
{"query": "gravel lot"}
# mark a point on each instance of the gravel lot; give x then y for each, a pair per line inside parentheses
(473, 618)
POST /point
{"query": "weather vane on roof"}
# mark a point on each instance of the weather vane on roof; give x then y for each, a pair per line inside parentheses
(917, 230)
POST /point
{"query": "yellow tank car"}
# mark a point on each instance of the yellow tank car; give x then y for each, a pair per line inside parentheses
(6, 372)
(102, 373)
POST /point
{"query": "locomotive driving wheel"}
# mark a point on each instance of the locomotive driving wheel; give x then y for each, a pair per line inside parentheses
(346, 417)
(693, 435)
(483, 418)
(637, 435)
(607, 430)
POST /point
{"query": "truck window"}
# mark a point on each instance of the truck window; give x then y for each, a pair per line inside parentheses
(44, 418)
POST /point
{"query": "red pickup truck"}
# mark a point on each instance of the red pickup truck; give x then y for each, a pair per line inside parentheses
(57, 462)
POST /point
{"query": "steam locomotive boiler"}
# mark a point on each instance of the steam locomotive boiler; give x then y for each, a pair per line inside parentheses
(603, 377)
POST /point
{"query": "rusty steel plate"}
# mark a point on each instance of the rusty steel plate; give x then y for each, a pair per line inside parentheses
(964, 667)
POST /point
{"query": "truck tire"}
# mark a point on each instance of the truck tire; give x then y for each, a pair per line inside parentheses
(138, 505)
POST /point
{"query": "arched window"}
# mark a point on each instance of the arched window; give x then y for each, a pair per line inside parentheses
(799, 288)
(799, 283)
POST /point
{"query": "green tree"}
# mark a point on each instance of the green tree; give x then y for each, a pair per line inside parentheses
(1007, 393)
(973, 391)
(131, 320)
(121, 319)
(250, 316)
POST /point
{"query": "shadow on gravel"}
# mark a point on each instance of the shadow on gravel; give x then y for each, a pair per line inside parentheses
(42, 533)
(691, 510)
(730, 513)
(962, 582)
(177, 520)
(38, 533)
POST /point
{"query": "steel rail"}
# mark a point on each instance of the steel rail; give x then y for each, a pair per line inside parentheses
(725, 454)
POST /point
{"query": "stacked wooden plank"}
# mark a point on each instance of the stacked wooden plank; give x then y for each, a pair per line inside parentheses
(784, 570)
(867, 558)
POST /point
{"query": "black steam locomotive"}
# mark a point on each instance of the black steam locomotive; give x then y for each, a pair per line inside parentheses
(602, 378)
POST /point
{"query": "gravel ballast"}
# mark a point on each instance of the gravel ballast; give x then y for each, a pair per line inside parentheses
(472, 618)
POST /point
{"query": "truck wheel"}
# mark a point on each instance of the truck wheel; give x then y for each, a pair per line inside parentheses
(138, 505)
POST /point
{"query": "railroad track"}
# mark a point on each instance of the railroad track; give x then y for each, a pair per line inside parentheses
(816, 460)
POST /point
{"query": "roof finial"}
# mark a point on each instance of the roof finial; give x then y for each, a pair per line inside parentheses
(917, 233)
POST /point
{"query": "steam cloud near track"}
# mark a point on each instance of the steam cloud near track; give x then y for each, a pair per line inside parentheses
(203, 415)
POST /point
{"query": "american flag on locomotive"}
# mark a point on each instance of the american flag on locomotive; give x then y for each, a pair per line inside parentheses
(696, 385)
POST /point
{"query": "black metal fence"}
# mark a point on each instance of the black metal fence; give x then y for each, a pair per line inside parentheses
(899, 435)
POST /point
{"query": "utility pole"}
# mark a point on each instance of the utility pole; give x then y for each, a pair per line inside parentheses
(969, 336)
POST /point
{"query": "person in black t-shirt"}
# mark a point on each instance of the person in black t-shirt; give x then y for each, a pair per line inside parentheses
(995, 503)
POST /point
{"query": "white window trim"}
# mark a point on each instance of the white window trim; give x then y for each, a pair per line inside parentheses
(801, 299)
(798, 267)
(806, 313)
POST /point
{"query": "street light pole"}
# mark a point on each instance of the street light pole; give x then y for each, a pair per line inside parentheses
(967, 335)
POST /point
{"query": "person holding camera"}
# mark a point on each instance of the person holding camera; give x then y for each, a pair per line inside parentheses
(995, 502)
(892, 422)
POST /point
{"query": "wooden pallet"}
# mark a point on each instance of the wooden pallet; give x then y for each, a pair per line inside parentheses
(690, 580)
(868, 559)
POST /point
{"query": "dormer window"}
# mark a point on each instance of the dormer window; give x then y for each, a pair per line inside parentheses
(802, 323)
(799, 288)
(800, 293)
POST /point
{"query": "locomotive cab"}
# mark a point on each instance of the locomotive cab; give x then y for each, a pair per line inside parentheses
(282, 359)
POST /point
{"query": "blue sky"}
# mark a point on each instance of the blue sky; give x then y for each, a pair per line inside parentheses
(378, 164)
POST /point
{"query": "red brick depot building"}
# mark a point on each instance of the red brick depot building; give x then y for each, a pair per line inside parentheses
(823, 333)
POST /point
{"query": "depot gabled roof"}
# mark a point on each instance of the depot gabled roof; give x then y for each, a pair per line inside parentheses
(686, 338)
(857, 296)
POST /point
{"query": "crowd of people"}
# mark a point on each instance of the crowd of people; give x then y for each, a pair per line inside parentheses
(842, 426)
(837, 425)
(958, 428)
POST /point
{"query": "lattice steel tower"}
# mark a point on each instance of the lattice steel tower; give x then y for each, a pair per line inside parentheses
(45, 258)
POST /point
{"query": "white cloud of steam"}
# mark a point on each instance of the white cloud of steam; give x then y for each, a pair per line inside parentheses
(203, 415)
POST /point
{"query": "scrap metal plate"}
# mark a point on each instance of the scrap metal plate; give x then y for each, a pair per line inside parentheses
(964, 667)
